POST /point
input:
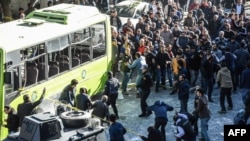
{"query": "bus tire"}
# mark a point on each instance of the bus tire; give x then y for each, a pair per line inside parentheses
(75, 119)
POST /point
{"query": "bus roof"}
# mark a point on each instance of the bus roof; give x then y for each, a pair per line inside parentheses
(32, 31)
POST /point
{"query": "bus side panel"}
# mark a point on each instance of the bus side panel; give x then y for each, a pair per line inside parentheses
(90, 75)
(3, 131)
(109, 44)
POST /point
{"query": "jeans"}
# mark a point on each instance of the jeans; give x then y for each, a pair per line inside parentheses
(207, 85)
(157, 78)
(163, 75)
(194, 76)
(170, 77)
(237, 76)
(112, 101)
(125, 80)
(204, 128)
(183, 103)
(161, 122)
(225, 92)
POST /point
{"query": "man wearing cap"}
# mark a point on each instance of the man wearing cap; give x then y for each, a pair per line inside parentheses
(146, 83)
(115, 20)
(26, 108)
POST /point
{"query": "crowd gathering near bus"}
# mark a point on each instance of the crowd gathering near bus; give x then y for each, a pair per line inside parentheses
(207, 48)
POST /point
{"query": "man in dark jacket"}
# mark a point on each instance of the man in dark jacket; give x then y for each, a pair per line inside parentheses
(160, 109)
(115, 20)
(183, 92)
(100, 108)
(207, 69)
(240, 65)
(146, 82)
(153, 135)
(26, 108)
(68, 94)
(161, 59)
(12, 119)
(245, 83)
(204, 113)
(111, 90)
(83, 101)
(116, 129)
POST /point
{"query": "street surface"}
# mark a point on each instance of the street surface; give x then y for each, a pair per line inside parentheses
(129, 109)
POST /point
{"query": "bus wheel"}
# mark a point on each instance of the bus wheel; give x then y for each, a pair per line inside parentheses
(75, 119)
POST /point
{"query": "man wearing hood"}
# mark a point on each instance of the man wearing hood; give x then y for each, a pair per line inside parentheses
(226, 84)
(160, 109)
(183, 93)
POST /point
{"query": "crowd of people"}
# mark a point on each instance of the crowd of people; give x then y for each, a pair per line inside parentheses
(209, 47)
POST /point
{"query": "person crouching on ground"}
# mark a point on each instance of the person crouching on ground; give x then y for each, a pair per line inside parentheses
(160, 109)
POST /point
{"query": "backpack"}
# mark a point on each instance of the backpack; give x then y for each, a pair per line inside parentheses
(114, 85)
(239, 118)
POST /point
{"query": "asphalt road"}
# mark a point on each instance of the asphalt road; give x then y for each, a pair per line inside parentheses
(129, 109)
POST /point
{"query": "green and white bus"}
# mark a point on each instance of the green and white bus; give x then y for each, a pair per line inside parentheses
(48, 49)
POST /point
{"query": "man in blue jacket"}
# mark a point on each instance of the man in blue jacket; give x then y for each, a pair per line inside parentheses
(183, 92)
(245, 84)
(160, 109)
(116, 129)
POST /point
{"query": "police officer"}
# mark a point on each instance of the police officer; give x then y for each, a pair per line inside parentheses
(111, 90)
(146, 83)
